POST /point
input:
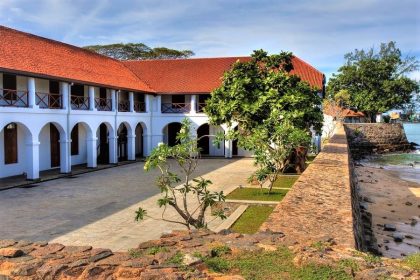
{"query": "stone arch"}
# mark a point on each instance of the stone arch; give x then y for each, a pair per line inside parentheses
(141, 139)
(52, 153)
(80, 133)
(17, 141)
(169, 132)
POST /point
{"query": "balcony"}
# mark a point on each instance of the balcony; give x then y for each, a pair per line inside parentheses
(200, 107)
(103, 104)
(139, 107)
(49, 100)
(79, 102)
(13, 98)
(124, 106)
(176, 108)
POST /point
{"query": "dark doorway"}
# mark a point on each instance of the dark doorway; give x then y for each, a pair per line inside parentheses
(55, 146)
(173, 129)
(139, 141)
(103, 151)
(10, 144)
(122, 143)
(235, 145)
(203, 142)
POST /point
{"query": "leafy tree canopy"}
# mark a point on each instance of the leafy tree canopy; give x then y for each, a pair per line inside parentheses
(376, 81)
(138, 51)
(273, 109)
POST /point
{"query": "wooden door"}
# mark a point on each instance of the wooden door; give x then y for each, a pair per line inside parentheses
(10, 144)
(55, 146)
(203, 142)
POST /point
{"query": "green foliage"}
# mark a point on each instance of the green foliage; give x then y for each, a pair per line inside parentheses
(176, 259)
(217, 264)
(156, 249)
(220, 251)
(413, 261)
(138, 51)
(376, 82)
(273, 109)
(134, 253)
(252, 219)
(257, 194)
(176, 192)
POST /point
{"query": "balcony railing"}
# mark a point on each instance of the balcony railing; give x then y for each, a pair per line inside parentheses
(79, 102)
(139, 107)
(103, 104)
(124, 106)
(200, 107)
(13, 98)
(176, 107)
(49, 100)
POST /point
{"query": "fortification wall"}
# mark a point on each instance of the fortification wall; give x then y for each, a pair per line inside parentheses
(369, 138)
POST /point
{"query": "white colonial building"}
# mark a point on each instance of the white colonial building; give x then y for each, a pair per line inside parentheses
(62, 106)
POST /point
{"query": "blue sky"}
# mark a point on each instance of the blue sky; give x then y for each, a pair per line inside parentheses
(318, 31)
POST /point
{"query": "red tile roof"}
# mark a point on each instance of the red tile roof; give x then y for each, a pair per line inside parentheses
(202, 75)
(333, 111)
(26, 53)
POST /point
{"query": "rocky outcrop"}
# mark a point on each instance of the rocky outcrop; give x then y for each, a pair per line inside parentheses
(369, 138)
(165, 258)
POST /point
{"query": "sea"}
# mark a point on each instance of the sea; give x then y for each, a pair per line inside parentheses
(406, 164)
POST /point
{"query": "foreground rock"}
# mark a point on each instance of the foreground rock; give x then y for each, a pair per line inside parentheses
(178, 255)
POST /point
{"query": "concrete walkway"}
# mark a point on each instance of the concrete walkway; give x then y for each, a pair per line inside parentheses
(98, 208)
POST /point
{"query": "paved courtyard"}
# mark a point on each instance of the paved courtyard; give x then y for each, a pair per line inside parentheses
(98, 208)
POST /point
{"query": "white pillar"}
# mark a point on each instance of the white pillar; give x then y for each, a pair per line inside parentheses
(113, 100)
(131, 149)
(31, 93)
(91, 91)
(65, 156)
(228, 149)
(92, 152)
(147, 102)
(147, 144)
(113, 154)
(159, 104)
(64, 90)
(131, 101)
(32, 151)
(193, 104)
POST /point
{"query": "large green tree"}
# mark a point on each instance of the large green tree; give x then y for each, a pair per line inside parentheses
(273, 109)
(138, 51)
(376, 81)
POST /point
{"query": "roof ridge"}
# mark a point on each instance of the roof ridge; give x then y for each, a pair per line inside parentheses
(142, 80)
(184, 59)
(58, 42)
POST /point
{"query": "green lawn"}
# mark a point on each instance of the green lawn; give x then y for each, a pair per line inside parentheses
(251, 220)
(285, 181)
(257, 194)
(271, 265)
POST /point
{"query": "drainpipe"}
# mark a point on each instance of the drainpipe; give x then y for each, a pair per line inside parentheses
(68, 126)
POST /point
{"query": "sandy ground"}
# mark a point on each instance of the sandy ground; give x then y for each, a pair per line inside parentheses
(394, 201)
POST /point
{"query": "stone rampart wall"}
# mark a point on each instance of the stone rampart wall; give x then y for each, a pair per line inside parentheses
(369, 138)
(320, 206)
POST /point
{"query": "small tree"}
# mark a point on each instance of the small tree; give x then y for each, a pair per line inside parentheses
(180, 189)
(377, 82)
(273, 109)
